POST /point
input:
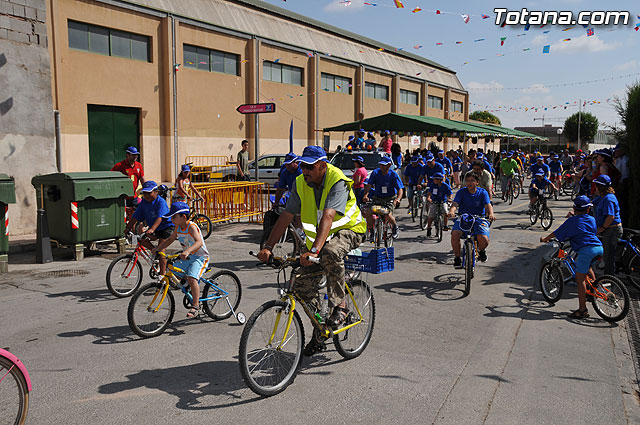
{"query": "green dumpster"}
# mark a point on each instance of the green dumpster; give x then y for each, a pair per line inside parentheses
(83, 207)
(7, 196)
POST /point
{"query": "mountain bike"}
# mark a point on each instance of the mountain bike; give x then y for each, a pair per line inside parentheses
(469, 247)
(152, 307)
(416, 202)
(124, 274)
(424, 211)
(382, 232)
(291, 243)
(15, 386)
(628, 257)
(608, 295)
(567, 183)
(540, 210)
(438, 222)
(272, 341)
(516, 185)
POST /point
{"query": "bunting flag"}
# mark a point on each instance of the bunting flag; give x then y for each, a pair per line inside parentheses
(545, 49)
(398, 4)
(465, 18)
(502, 39)
(526, 27)
(438, 12)
(417, 46)
(458, 42)
(567, 29)
(416, 10)
(483, 16)
(479, 39)
(567, 39)
(590, 32)
(526, 50)
(439, 44)
(370, 4)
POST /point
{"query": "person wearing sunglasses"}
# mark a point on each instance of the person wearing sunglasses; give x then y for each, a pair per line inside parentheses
(333, 226)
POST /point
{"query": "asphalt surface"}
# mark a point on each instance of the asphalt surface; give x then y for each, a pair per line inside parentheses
(502, 355)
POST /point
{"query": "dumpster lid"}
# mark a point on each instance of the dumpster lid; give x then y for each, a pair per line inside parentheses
(92, 175)
(7, 190)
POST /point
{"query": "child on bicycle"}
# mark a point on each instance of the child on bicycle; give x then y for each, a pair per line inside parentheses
(437, 191)
(182, 184)
(538, 185)
(580, 230)
(194, 257)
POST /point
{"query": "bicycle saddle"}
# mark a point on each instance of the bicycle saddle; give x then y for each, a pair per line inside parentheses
(631, 232)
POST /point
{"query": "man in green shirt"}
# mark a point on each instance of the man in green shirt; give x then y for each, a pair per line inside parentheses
(243, 162)
(508, 167)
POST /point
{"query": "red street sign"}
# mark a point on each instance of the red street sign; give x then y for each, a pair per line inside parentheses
(256, 108)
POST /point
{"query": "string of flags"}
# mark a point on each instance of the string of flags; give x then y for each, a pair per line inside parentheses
(541, 86)
(537, 108)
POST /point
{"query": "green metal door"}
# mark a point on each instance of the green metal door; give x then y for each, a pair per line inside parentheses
(112, 130)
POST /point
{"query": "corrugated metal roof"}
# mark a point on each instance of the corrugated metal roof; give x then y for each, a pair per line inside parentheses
(274, 23)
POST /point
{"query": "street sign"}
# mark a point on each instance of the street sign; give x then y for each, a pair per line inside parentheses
(256, 108)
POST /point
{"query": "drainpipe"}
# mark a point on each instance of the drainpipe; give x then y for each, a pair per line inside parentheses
(56, 117)
(175, 94)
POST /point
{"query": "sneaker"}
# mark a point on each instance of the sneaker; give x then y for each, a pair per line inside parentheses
(457, 263)
(314, 346)
(428, 231)
(395, 233)
(482, 256)
(446, 229)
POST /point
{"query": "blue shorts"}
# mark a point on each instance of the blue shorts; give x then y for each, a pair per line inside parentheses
(585, 257)
(480, 227)
(194, 266)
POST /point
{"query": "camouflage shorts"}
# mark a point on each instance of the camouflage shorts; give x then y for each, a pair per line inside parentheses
(332, 263)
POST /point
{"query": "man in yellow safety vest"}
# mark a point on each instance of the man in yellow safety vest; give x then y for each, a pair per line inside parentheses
(333, 226)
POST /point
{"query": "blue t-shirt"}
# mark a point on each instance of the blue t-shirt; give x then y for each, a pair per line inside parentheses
(540, 184)
(607, 205)
(397, 160)
(360, 142)
(456, 161)
(535, 167)
(439, 193)
(472, 203)
(413, 173)
(385, 186)
(287, 178)
(487, 166)
(555, 166)
(579, 230)
(445, 163)
(369, 142)
(429, 171)
(150, 211)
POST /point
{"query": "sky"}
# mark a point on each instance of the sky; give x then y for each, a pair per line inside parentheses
(505, 79)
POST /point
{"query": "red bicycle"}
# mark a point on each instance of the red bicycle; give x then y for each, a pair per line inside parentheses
(15, 385)
(124, 274)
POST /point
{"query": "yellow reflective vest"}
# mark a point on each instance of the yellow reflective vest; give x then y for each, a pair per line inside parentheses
(310, 214)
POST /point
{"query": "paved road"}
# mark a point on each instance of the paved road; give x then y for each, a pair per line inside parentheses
(501, 355)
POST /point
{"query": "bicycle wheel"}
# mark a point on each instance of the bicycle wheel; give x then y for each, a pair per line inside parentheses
(227, 281)
(14, 394)
(143, 318)
(438, 226)
(614, 305)
(468, 268)
(633, 271)
(424, 212)
(555, 194)
(268, 365)
(352, 342)
(533, 214)
(204, 223)
(546, 218)
(551, 282)
(510, 196)
(378, 232)
(414, 208)
(574, 192)
(386, 235)
(124, 276)
(516, 189)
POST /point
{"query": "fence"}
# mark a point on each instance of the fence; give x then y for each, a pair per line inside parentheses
(234, 200)
(205, 168)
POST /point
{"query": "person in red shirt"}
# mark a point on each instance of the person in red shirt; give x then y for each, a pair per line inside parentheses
(386, 142)
(132, 169)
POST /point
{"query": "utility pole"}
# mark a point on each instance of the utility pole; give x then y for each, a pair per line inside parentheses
(579, 119)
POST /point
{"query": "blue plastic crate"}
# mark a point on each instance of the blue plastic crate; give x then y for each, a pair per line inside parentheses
(375, 261)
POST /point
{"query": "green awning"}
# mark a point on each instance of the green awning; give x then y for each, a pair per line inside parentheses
(431, 126)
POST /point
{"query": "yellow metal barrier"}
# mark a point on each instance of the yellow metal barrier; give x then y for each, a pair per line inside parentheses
(227, 201)
(205, 168)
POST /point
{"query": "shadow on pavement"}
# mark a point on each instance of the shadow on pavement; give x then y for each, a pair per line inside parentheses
(494, 377)
(445, 287)
(91, 296)
(245, 235)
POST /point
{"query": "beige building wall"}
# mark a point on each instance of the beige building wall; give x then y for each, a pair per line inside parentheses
(459, 97)
(404, 108)
(439, 92)
(374, 107)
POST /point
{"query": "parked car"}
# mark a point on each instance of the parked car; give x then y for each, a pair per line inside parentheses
(344, 161)
(268, 168)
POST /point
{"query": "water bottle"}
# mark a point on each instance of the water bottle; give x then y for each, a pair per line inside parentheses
(301, 233)
(324, 307)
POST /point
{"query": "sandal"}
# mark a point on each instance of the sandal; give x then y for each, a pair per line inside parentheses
(579, 314)
(193, 312)
(314, 346)
(338, 316)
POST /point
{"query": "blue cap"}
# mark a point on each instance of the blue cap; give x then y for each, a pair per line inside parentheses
(618, 147)
(133, 150)
(414, 159)
(429, 156)
(291, 157)
(539, 158)
(313, 154)
(369, 134)
(361, 130)
(438, 176)
(358, 158)
(503, 152)
(351, 138)
(555, 157)
(387, 132)
(603, 179)
(440, 151)
(604, 152)
(185, 167)
(479, 155)
(385, 160)
(177, 207)
(149, 186)
(582, 202)
(510, 153)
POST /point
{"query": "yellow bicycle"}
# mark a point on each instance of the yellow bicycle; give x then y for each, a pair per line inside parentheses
(272, 341)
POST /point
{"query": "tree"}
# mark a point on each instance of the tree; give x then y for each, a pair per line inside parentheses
(588, 127)
(485, 116)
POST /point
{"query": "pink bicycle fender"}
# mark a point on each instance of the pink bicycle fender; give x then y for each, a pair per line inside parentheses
(17, 362)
